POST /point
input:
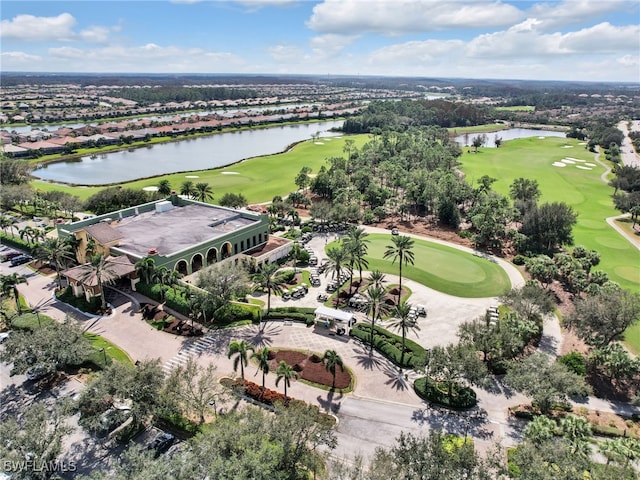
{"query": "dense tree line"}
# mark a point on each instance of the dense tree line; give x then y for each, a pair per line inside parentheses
(407, 113)
(165, 94)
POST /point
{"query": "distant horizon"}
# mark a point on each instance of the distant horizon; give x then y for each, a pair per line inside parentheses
(545, 40)
(310, 75)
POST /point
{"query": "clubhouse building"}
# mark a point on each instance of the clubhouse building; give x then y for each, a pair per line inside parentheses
(179, 234)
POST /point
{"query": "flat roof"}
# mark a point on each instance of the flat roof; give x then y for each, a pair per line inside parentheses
(177, 229)
(333, 313)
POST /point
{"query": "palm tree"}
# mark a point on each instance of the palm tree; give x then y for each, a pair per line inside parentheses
(55, 251)
(404, 323)
(161, 275)
(187, 189)
(100, 271)
(203, 192)
(262, 356)
(240, 348)
(377, 279)
(172, 279)
(73, 242)
(540, 429)
(331, 360)
(577, 430)
(285, 372)
(145, 268)
(401, 250)
(26, 233)
(164, 187)
(376, 306)
(9, 285)
(337, 264)
(357, 245)
(266, 278)
(5, 223)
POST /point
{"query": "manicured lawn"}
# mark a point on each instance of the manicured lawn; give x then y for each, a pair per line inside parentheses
(442, 268)
(582, 189)
(110, 349)
(258, 179)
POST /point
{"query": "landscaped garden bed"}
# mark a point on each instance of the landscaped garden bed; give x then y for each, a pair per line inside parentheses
(390, 345)
(310, 368)
(461, 398)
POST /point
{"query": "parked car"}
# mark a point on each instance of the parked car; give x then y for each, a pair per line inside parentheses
(20, 259)
(161, 443)
(6, 256)
(395, 232)
(4, 336)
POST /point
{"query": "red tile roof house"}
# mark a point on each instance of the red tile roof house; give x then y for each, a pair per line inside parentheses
(46, 147)
(14, 151)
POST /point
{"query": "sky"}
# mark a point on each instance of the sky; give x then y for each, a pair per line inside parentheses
(586, 40)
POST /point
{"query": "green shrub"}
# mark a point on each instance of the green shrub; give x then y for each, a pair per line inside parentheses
(385, 342)
(178, 424)
(575, 362)
(17, 242)
(307, 229)
(92, 306)
(461, 398)
(519, 260)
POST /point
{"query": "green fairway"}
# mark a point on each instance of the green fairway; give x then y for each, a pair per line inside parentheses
(581, 188)
(442, 268)
(258, 179)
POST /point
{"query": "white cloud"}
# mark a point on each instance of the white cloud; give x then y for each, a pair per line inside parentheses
(553, 16)
(16, 60)
(395, 17)
(29, 27)
(417, 53)
(95, 34)
(330, 45)
(629, 61)
(286, 53)
(602, 38)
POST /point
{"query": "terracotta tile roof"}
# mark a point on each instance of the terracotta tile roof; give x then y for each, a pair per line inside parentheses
(117, 266)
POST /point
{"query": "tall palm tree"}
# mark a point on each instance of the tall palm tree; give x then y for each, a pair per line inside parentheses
(74, 243)
(26, 233)
(377, 279)
(285, 372)
(357, 245)
(401, 250)
(338, 259)
(262, 357)
(404, 323)
(203, 192)
(187, 189)
(164, 187)
(241, 349)
(266, 278)
(172, 279)
(5, 223)
(331, 360)
(375, 306)
(161, 275)
(55, 251)
(145, 268)
(101, 271)
(9, 285)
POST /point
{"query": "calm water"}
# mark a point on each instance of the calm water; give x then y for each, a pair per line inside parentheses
(193, 154)
(509, 134)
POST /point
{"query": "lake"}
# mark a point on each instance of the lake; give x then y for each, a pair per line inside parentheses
(199, 153)
(509, 134)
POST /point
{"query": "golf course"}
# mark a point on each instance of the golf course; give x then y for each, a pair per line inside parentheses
(442, 268)
(566, 172)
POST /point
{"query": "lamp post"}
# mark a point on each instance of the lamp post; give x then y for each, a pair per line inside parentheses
(191, 314)
(212, 403)
(104, 356)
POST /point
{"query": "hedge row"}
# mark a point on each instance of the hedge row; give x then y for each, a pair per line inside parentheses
(390, 345)
(173, 300)
(462, 398)
(17, 242)
(93, 306)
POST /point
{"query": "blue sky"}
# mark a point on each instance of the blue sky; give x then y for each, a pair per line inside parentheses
(589, 40)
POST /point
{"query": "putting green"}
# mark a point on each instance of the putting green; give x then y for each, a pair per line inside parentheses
(442, 268)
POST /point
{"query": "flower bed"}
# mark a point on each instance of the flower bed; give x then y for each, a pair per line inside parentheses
(312, 369)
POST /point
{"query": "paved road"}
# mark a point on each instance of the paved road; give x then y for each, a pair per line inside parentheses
(627, 152)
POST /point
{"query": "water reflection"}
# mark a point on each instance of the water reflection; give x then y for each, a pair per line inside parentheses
(466, 140)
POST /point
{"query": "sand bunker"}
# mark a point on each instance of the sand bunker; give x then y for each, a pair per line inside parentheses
(567, 146)
(575, 159)
(558, 164)
(582, 143)
(192, 176)
(229, 173)
(566, 160)
(590, 164)
(150, 189)
(319, 143)
(583, 168)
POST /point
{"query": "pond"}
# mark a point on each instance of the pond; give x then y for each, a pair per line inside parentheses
(509, 134)
(199, 153)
